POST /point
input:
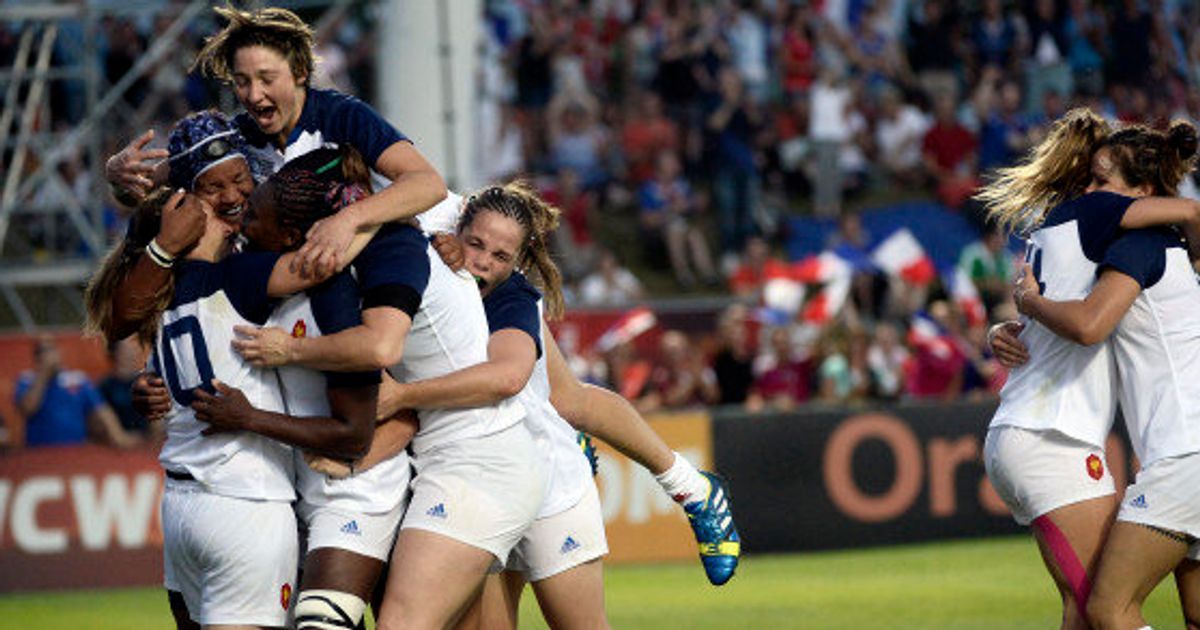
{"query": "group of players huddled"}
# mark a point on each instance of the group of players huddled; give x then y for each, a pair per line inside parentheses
(349, 410)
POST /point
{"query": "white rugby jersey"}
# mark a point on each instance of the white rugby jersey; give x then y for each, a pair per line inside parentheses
(193, 345)
(516, 304)
(449, 333)
(1064, 386)
(327, 309)
(1157, 345)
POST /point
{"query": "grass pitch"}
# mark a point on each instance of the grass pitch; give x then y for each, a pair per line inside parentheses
(983, 584)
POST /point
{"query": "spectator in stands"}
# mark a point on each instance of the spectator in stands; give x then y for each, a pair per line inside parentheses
(61, 407)
(756, 266)
(886, 359)
(998, 38)
(832, 126)
(668, 206)
(733, 125)
(989, 264)
(1047, 67)
(899, 133)
(1131, 33)
(842, 373)
(936, 371)
(610, 284)
(933, 47)
(577, 252)
(647, 132)
(784, 376)
(577, 139)
(681, 378)
(1085, 41)
(797, 55)
(1004, 131)
(733, 362)
(127, 358)
(747, 37)
(949, 152)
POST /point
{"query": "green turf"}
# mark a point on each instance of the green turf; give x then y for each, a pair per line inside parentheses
(997, 583)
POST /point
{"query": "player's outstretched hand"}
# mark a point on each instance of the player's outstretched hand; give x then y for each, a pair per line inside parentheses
(227, 411)
(1008, 348)
(150, 397)
(263, 347)
(132, 168)
(183, 221)
(450, 249)
(326, 243)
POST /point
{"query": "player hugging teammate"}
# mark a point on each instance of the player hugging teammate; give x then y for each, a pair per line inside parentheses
(248, 434)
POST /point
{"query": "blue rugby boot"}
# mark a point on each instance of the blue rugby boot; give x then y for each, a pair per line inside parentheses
(589, 451)
(712, 523)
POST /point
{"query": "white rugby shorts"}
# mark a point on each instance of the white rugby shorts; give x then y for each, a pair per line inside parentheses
(369, 535)
(562, 541)
(1166, 495)
(1036, 472)
(233, 560)
(483, 491)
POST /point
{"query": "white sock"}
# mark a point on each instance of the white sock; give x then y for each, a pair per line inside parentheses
(683, 482)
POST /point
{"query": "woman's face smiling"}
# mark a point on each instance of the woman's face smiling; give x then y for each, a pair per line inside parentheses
(226, 187)
(266, 87)
(491, 244)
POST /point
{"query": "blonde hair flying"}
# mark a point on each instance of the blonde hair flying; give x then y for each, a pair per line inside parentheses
(1056, 170)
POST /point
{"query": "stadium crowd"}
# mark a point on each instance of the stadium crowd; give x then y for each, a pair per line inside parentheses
(702, 128)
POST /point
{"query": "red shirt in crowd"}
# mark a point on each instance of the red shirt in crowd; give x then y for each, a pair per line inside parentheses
(950, 145)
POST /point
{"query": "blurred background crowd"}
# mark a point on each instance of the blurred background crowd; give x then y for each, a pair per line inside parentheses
(696, 147)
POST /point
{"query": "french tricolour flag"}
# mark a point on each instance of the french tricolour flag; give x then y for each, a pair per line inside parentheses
(924, 331)
(627, 328)
(902, 255)
(966, 295)
(826, 304)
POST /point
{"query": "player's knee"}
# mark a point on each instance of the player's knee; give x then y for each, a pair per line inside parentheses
(1102, 612)
(320, 609)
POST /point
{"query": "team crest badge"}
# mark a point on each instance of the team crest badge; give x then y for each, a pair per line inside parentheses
(299, 329)
(1095, 467)
(285, 595)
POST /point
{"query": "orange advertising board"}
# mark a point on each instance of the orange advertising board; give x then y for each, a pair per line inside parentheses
(79, 516)
(643, 523)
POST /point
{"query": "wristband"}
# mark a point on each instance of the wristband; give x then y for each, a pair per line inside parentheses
(159, 255)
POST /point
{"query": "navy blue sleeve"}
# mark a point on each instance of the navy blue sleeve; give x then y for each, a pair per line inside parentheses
(393, 270)
(335, 307)
(1099, 218)
(244, 277)
(353, 122)
(513, 304)
(1141, 255)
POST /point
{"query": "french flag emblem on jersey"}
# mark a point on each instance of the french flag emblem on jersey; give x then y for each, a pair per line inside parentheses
(902, 255)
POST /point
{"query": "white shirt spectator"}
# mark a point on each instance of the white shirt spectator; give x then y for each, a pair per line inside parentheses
(900, 139)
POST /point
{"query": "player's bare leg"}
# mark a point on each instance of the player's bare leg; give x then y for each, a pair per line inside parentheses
(574, 599)
(1136, 558)
(432, 581)
(1187, 582)
(1070, 539)
(496, 607)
